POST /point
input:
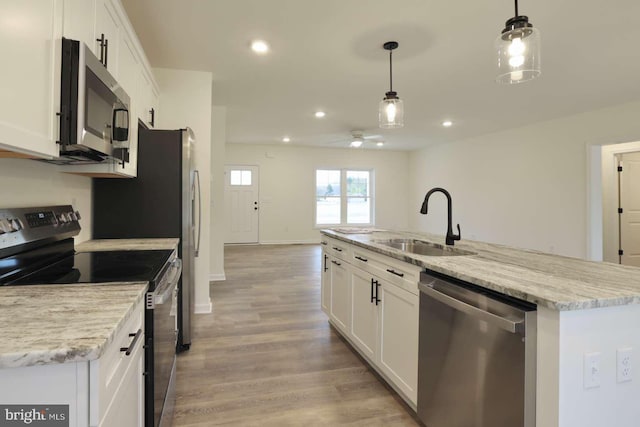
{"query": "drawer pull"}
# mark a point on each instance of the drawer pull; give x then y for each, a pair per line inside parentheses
(325, 263)
(337, 249)
(362, 259)
(323, 243)
(336, 262)
(136, 337)
(395, 272)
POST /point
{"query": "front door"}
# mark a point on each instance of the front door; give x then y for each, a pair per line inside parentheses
(630, 204)
(241, 203)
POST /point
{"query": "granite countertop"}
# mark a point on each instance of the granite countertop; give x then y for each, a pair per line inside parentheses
(48, 324)
(551, 281)
(127, 245)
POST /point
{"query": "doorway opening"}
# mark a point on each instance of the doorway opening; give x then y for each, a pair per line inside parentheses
(613, 218)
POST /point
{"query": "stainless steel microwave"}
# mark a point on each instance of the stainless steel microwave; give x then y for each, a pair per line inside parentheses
(94, 109)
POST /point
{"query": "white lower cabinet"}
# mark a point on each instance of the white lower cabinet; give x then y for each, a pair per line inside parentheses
(398, 348)
(375, 304)
(340, 311)
(105, 392)
(364, 312)
(325, 288)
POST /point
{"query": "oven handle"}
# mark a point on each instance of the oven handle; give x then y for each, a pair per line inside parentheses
(164, 291)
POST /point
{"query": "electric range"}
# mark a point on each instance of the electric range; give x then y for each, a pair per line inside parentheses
(37, 248)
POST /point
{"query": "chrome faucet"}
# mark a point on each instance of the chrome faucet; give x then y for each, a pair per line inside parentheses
(450, 238)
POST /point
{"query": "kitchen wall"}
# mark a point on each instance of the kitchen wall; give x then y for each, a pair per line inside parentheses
(287, 186)
(525, 187)
(32, 183)
(185, 100)
(218, 143)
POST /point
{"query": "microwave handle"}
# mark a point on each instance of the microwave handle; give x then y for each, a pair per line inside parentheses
(115, 130)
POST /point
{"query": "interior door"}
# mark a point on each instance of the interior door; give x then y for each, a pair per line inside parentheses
(630, 204)
(241, 203)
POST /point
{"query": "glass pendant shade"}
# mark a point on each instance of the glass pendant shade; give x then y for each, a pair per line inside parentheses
(518, 49)
(391, 112)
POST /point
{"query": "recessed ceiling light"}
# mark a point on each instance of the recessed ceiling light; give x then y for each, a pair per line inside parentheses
(320, 114)
(260, 47)
(447, 123)
(380, 144)
(286, 139)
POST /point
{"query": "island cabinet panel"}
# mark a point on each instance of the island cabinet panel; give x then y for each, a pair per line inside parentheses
(364, 313)
(399, 318)
(30, 76)
(374, 303)
(340, 295)
(325, 285)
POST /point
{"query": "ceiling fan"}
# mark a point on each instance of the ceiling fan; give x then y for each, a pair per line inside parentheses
(358, 138)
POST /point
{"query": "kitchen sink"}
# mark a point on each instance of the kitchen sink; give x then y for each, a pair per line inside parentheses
(421, 247)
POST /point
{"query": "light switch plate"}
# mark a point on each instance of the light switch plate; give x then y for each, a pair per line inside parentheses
(592, 370)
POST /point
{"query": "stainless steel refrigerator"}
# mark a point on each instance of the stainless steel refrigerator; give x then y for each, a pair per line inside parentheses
(163, 201)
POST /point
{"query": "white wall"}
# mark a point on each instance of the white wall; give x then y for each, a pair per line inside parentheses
(564, 339)
(287, 186)
(27, 183)
(218, 142)
(185, 101)
(524, 187)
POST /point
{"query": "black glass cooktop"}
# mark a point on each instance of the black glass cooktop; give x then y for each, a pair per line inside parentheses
(101, 267)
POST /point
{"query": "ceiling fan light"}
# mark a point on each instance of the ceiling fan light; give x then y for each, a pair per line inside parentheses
(518, 52)
(356, 143)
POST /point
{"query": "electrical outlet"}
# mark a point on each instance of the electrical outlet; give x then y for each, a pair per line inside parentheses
(623, 361)
(591, 370)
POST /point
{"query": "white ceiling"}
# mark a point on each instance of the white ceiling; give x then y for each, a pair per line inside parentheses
(327, 54)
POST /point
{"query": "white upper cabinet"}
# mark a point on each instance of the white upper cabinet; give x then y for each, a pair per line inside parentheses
(80, 22)
(30, 76)
(107, 36)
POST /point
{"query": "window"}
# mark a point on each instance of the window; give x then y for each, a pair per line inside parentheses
(240, 177)
(344, 197)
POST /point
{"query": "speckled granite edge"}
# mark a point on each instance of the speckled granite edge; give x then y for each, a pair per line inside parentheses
(127, 245)
(556, 282)
(63, 323)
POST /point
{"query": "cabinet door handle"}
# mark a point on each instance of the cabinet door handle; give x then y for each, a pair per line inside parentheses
(336, 262)
(323, 243)
(136, 337)
(325, 263)
(337, 249)
(152, 113)
(372, 295)
(106, 52)
(395, 272)
(377, 299)
(362, 259)
(101, 40)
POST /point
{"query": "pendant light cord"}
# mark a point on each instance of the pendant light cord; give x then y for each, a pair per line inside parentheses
(516, 7)
(390, 72)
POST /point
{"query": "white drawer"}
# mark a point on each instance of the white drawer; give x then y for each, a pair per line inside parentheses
(335, 247)
(110, 368)
(393, 271)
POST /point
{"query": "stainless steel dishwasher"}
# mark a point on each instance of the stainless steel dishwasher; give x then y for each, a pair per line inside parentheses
(477, 356)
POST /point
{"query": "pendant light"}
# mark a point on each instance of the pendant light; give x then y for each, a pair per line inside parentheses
(391, 110)
(518, 48)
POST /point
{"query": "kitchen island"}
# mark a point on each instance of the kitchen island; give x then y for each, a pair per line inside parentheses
(584, 309)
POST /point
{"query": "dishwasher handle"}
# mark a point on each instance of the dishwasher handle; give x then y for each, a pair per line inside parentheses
(515, 327)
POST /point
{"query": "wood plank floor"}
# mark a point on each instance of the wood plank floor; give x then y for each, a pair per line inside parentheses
(267, 357)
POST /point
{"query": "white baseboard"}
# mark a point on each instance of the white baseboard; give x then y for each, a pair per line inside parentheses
(217, 277)
(204, 308)
(290, 242)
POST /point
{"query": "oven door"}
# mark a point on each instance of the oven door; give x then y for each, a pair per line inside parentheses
(165, 334)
